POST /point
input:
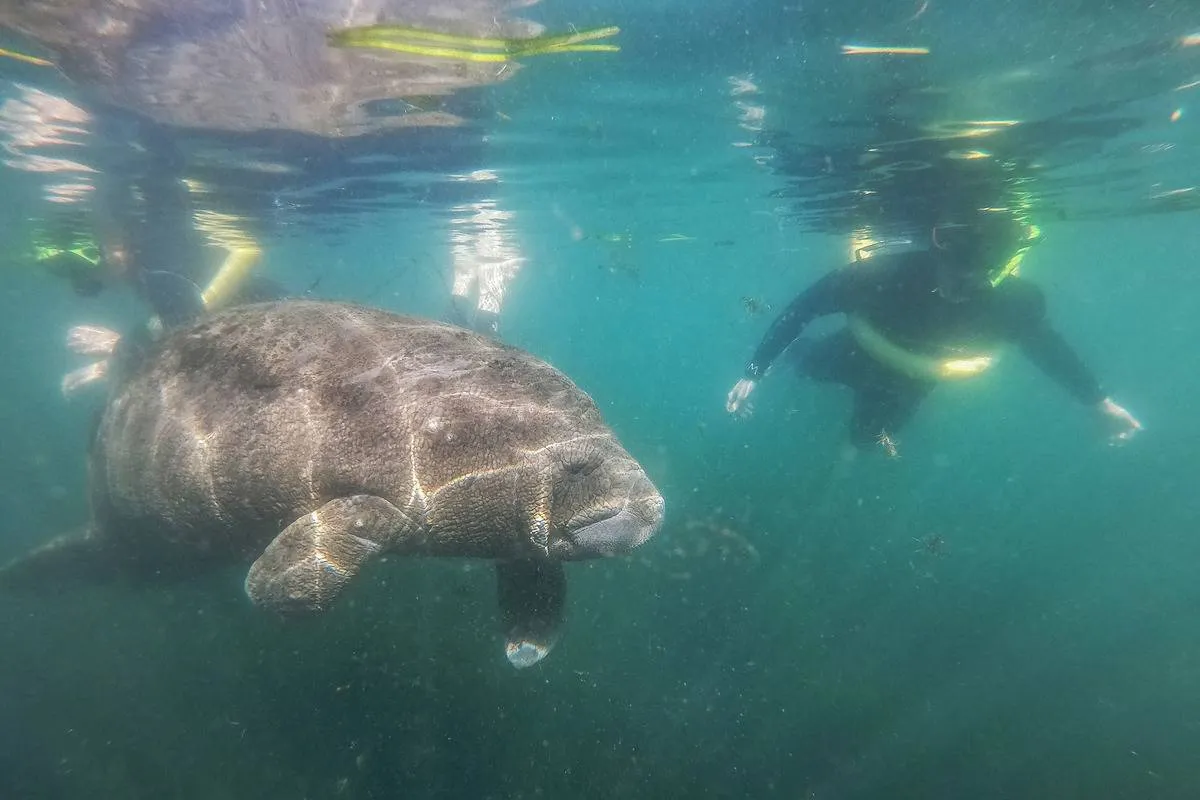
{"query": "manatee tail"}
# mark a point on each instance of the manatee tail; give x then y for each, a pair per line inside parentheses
(89, 340)
(74, 558)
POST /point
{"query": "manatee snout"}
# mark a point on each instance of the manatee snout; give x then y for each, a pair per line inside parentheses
(625, 522)
(622, 509)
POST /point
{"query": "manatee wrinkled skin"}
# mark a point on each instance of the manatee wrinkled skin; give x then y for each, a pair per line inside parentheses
(309, 437)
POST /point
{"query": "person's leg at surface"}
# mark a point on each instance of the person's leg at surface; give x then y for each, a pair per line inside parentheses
(500, 261)
(494, 280)
(485, 260)
(242, 255)
(465, 263)
(161, 236)
(226, 233)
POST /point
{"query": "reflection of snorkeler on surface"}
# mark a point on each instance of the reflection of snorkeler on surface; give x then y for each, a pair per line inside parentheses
(485, 261)
(918, 318)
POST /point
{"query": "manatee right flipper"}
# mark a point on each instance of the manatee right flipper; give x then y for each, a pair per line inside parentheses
(532, 594)
(309, 564)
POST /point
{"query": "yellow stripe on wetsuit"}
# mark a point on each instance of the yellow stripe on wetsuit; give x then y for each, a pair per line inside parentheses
(916, 365)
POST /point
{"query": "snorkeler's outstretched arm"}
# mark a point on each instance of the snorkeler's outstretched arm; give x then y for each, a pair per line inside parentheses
(823, 297)
(826, 296)
(1049, 351)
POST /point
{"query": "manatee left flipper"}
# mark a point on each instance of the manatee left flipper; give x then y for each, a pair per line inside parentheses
(532, 594)
(309, 564)
(76, 557)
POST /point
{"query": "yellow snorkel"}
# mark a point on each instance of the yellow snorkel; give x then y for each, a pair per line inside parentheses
(1033, 235)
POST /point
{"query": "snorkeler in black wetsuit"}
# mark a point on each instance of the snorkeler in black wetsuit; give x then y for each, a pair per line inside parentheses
(916, 319)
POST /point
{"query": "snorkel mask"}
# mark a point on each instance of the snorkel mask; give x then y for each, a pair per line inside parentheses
(987, 249)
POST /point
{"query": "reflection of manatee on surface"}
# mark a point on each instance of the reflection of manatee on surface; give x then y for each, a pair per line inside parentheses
(310, 437)
(245, 65)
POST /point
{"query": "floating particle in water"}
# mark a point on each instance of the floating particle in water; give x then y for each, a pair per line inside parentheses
(753, 306)
(933, 544)
(867, 50)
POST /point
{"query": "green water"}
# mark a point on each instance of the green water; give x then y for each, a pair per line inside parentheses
(1006, 610)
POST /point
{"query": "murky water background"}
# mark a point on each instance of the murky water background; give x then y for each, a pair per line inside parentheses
(1005, 610)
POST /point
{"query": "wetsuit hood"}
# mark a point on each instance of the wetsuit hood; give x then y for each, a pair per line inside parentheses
(981, 250)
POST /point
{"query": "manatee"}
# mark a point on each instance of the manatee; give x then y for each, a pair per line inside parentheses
(307, 438)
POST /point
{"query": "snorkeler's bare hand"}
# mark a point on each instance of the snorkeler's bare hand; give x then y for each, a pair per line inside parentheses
(736, 402)
(1121, 423)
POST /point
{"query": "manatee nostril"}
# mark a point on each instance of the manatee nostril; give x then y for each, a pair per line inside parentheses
(583, 466)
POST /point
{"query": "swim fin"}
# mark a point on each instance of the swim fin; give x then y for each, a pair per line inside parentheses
(421, 42)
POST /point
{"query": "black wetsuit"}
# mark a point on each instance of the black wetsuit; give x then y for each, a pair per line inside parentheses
(898, 296)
